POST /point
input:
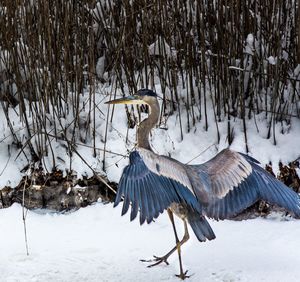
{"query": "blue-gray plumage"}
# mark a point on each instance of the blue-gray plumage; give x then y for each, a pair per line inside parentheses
(219, 188)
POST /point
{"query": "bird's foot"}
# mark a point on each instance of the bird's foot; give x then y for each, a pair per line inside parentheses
(156, 260)
(183, 275)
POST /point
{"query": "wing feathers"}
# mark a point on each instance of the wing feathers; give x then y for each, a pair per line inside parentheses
(226, 185)
(225, 171)
(150, 193)
(135, 205)
(164, 166)
(259, 184)
(275, 192)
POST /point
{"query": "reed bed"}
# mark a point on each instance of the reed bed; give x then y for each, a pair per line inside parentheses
(239, 58)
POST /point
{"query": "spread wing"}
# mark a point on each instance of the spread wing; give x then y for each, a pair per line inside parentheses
(146, 186)
(234, 181)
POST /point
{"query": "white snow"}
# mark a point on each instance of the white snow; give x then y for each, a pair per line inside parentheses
(249, 48)
(272, 60)
(160, 43)
(97, 244)
(250, 39)
(100, 66)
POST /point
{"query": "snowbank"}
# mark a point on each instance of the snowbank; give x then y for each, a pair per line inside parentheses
(97, 244)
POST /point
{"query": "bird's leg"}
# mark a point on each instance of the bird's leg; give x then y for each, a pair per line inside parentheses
(164, 258)
(186, 236)
(159, 260)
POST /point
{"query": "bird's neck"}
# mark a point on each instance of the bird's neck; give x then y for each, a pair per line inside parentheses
(146, 125)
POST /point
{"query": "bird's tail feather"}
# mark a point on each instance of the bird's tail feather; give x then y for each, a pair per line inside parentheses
(200, 226)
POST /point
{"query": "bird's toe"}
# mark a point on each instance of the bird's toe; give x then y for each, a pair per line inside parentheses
(183, 275)
(157, 260)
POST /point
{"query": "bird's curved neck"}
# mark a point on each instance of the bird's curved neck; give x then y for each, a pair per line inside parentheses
(146, 125)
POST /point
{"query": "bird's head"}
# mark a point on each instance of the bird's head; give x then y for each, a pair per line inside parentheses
(143, 96)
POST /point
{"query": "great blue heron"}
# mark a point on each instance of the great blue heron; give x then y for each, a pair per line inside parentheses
(218, 189)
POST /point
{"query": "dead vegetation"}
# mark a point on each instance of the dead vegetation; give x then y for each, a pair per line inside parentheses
(241, 55)
(56, 192)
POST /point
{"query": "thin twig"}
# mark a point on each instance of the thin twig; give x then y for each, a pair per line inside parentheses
(24, 215)
(201, 153)
(94, 172)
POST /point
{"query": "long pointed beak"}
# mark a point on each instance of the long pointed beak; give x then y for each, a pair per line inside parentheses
(126, 100)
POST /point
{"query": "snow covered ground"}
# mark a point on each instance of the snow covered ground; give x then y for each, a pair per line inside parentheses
(97, 244)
